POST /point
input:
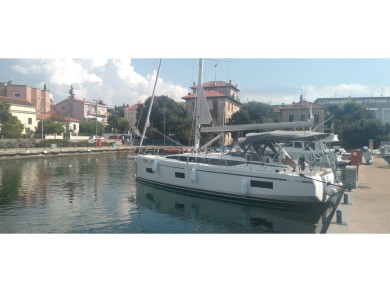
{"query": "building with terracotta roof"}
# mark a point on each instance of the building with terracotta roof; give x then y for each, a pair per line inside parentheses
(81, 109)
(41, 99)
(130, 114)
(302, 111)
(71, 125)
(25, 111)
(222, 99)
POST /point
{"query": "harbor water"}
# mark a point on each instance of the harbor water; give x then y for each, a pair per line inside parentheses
(99, 194)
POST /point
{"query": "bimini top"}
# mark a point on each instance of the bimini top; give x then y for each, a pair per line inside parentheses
(281, 136)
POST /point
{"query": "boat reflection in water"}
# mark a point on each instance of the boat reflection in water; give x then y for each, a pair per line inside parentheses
(205, 215)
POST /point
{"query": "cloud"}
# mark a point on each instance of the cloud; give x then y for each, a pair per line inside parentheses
(112, 80)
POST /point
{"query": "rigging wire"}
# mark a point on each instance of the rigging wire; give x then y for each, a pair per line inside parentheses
(147, 90)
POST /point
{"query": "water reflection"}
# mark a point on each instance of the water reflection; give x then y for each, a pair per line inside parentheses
(99, 194)
(205, 215)
(83, 194)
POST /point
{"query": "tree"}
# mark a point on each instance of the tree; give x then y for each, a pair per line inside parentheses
(253, 112)
(115, 114)
(355, 125)
(356, 134)
(51, 127)
(89, 127)
(11, 127)
(123, 125)
(71, 92)
(166, 111)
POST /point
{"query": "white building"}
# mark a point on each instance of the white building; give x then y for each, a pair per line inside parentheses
(24, 111)
(379, 106)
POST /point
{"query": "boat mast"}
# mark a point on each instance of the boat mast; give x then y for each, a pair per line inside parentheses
(197, 107)
(147, 122)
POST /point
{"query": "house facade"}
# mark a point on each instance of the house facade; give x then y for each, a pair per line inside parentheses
(222, 99)
(302, 111)
(41, 99)
(24, 111)
(130, 114)
(81, 109)
(71, 125)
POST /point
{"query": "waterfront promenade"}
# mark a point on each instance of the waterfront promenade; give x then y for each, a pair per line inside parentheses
(368, 205)
(12, 153)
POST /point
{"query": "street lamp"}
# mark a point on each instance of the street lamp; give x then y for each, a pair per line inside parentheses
(96, 121)
(164, 127)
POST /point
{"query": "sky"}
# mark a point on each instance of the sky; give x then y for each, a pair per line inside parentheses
(118, 81)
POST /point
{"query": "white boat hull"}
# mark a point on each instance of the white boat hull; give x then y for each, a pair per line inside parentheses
(250, 182)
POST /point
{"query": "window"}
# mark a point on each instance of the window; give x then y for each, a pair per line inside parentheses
(16, 94)
(316, 119)
(180, 174)
(310, 146)
(297, 144)
(262, 184)
(291, 118)
(29, 121)
(74, 127)
(303, 118)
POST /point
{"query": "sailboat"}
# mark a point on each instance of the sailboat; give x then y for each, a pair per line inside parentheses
(254, 170)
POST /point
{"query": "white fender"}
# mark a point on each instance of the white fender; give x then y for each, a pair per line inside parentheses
(193, 175)
(244, 187)
(155, 165)
(330, 190)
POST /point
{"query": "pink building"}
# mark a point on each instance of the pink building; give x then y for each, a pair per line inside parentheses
(82, 109)
(41, 99)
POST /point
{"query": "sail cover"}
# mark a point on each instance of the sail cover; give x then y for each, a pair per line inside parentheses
(281, 136)
(203, 111)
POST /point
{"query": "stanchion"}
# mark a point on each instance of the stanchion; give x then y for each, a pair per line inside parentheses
(346, 199)
(339, 217)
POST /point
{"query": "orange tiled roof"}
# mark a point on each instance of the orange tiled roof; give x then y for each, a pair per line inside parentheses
(208, 93)
(50, 115)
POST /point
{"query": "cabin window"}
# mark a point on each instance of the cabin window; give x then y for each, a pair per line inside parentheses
(262, 184)
(289, 144)
(148, 169)
(310, 146)
(180, 175)
(291, 118)
(297, 145)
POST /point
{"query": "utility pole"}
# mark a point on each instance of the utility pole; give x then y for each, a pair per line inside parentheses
(96, 121)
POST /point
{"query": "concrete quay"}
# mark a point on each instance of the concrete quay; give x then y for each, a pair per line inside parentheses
(368, 206)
